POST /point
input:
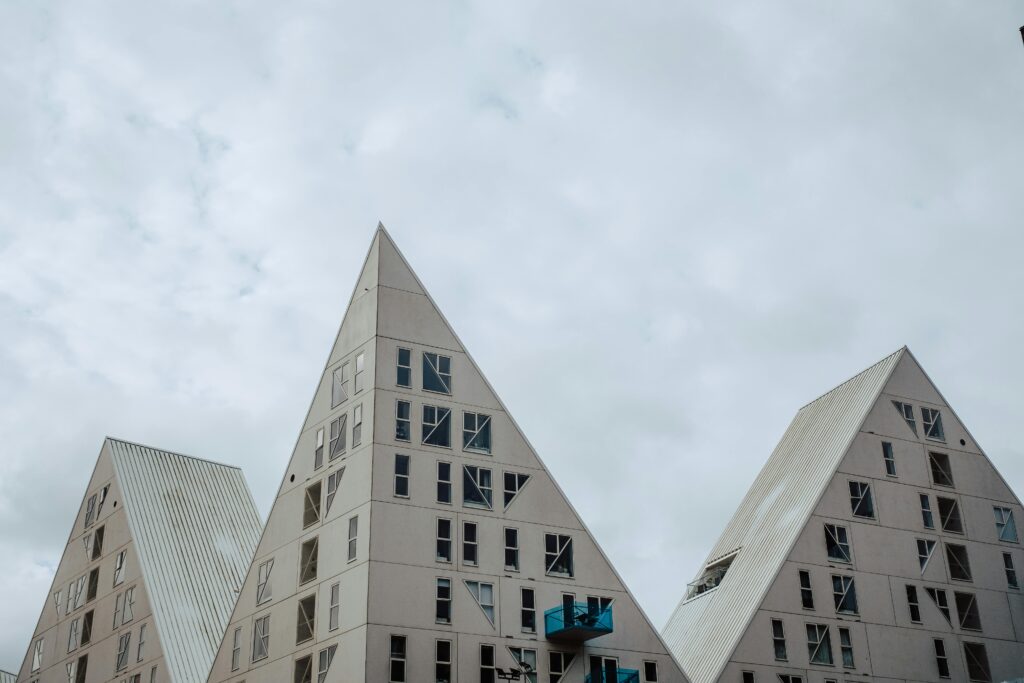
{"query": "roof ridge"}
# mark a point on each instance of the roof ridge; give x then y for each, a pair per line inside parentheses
(855, 376)
(174, 453)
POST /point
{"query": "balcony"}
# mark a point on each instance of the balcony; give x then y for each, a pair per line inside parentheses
(621, 676)
(576, 622)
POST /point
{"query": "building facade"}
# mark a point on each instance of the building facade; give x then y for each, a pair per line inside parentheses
(416, 535)
(150, 572)
(878, 543)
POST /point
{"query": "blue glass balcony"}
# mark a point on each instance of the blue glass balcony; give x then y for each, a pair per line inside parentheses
(621, 676)
(576, 622)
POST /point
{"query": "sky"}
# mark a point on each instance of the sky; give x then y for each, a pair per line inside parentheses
(660, 229)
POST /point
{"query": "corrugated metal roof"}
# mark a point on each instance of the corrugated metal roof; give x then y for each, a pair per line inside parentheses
(195, 529)
(6, 677)
(704, 631)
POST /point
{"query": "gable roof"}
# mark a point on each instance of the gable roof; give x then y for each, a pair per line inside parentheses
(704, 630)
(7, 677)
(195, 528)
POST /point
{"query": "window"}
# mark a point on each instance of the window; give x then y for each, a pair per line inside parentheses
(339, 386)
(334, 608)
(304, 669)
(444, 482)
(123, 644)
(837, 543)
(357, 425)
(528, 612)
(476, 432)
(403, 369)
(527, 661)
(326, 658)
(806, 595)
(79, 592)
(333, 482)
(846, 647)
(924, 552)
(1005, 526)
(938, 596)
(396, 669)
(907, 411)
(442, 661)
(70, 669)
(318, 450)
(401, 476)
(942, 472)
(261, 638)
(558, 664)
(353, 535)
(90, 513)
(913, 605)
(748, 677)
(650, 672)
(360, 366)
(444, 539)
(94, 584)
(819, 645)
(514, 483)
(483, 593)
(311, 508)
(87, 543)
(511, 549)
(860, 499)
(789, 678)
(142, 643)
(469, 543)
(236, 649)
(403, 421)
(443, 599)
(926, 512)
(97, 544)
(779, 640)
(486, 663)
(37, 655)
(119, 568)
(967, 611)
(476, 486)
(338, 427)
(889, 459)
(1011, 573)
(932, 420)
(949, 515)
(263, 585)
(306, 619)
(959, 564)
(437, 373)
(308, 559)
(941, 661)
(437, 426)
(844, 593)
(128, 612)
(73, 635)
(57, 600)
(558, 554)
(977, 662)
(152, 675)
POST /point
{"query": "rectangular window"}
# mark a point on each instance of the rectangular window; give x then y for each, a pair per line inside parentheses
(926, 512)
(334, 608)
(123, 643)
(846, 647)
(357, 425)
(261, 638)
(748, 677)
(97, 544)
(487, 664)
(942, 472)
(442, 661)
(396, 668)
(949, 515)
(476, 486)
(1006, 528)
(403, 421)
(94, 585)
(483, 593)
(860, 499)
(305, 619)
(650, 672)
(80, 592)
(304, 670)
(142, 644)
(1011, 573)
(476, 432)
(444, 482)
(941, 661)
(403, 370)
(889, 459)
(558, 555)
(333, 482)
(967, 611)
(401, 476)
(511, 549)
(819, 644)
(806, 595)
(443, 598)
(514, 483)
(326, 658)
(437, 426)
(437, 373)
(526, 661)
(469, 546)
(311, 506)
(558, 664)
(939, 598)
(263, 586)
(837, 543)
(925, 548)
(353, 535)
(236, 649)
(844, 594)
(444, 539)
(977, 662)
(907, 411)
(528, 612)
(73, 635)
(129, 606)
(932, 420)
(90, 512)
(37, 655)
(360, 366)
(913, 605)
(119, 566)
(779, 640)
(308, 560)
(959, 563)
(339, 426)
(339, 386)
(87, 628)
(81, 669)
(318, 450)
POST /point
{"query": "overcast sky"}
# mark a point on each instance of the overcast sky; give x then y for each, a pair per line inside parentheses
(660, 228)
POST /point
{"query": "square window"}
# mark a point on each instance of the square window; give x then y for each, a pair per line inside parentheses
(476, 432)
(437, 426)
(437, 373)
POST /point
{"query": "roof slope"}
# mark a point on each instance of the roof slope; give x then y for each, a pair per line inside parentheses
(195, 527)
(6, 677)
(704, 631)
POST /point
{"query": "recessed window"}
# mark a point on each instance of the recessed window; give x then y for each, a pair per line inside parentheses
(97, 544)
(353, 536)
(476, 486)
(437, 373)
(338, 428)
(511, 549)
(932, 420)
(949, 515)
(360, 366)
(528, 611)
(306, 619)
(403, 370)
(304, 669)
(444, 482)
(942, 473)
(236, 649)
(967, 611)
(1006, 528)
(514, 483)
(124, 607)
(401, 476)
(846, 648)
(861, 502)
(844, 593)
(443, 661)
(476, 432)
(141, 647)
(123, 643)
(959, 563)
(889, 459)
(119, 567)
(57, 597)
(806, 595)
(94, 584)
(779, 640)
(469, 543)
(748, 677)
(837, 543)
(925, 548)
(927, 519)
(86, 637)
(941, 661)
(90, 513)
(483, 593)
(396, 665)
(311, 506)
(977, 662)
(913, 605)
(789, 678)
(819, 644)
(938, 596)
(318, 450)
(1011, 573)
(339, 386)
(650, 672)
(357, 425)
(526, 659)
(558, 554)
(444, 540)
(437, 426)
(558, 664)
(73, 635)
(326, 657)
(333, 482)
(403, 421)
(261, 638)
(487, 663)
(443, 597)
(907, 412)
(309, 556)
(334, 608)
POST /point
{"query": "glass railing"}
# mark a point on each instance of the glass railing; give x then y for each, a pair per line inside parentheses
(621, 676)
(577, 621)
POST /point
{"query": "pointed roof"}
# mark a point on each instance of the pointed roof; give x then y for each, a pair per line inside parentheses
(704, 630)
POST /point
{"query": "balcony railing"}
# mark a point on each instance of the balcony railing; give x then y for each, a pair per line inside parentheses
(577, 622)
(621, 676)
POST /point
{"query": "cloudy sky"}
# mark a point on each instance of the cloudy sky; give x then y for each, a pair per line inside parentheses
(659, 227)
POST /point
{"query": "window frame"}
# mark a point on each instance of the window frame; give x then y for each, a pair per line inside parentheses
(822, 637)
(472, 434)
(563, 543)
(1007, 521)
(446, 485)
(353, 538)
(857, 500)
(399, 367)
(442, 600)
(435, 367)
(305, 618)
(339, 385)
(470, 544)
(889, 459)
(511, 550)
(309, 560)
(913, 604)
(403, 422)
(932, 425)
(778, 631)
(398, 658)
(844, 594)
(472, 479)
(940, 470)
(402, 478)
(334, 607)
(806, 592)
(832, 533)
(436, 418)
(527, 613)
(443, 540)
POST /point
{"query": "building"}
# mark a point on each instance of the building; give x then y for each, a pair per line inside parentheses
(7, 677)
(150, 572)
(878, 543)
(417, 536)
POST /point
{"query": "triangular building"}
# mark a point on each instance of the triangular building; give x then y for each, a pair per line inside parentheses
(417, 536)
(878, 543)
